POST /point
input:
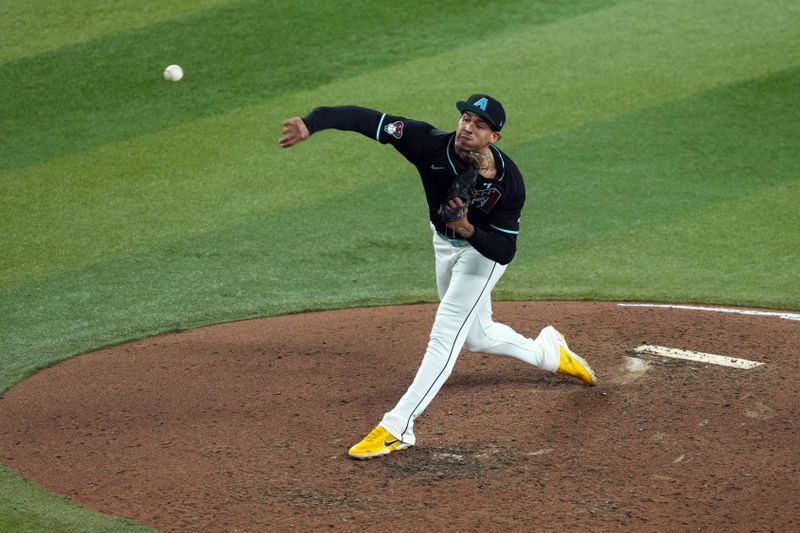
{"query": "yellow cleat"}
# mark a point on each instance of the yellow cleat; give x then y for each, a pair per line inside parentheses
(378, 442)
(571, 364)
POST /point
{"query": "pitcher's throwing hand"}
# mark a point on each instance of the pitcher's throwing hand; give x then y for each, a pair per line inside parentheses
(294, 131)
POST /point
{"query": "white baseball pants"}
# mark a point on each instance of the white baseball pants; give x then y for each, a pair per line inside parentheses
(465, 280)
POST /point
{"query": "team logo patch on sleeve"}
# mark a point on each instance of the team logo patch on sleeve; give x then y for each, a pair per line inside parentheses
(395, 129)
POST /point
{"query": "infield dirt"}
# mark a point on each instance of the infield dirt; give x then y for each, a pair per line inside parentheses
(245, 426)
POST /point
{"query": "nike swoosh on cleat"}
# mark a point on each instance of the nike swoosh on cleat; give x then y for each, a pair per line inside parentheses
(387, 444)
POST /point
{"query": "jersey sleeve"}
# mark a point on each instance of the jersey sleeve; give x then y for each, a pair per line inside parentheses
(499, 241)
(500, 247)
(506, 220)
(409, 137)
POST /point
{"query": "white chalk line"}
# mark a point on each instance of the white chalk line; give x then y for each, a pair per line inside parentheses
(675, 353)
(781, 314)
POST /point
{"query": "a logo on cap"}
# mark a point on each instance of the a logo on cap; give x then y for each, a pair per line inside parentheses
(481, 103)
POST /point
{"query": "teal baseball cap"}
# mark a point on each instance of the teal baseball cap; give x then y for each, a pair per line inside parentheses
(486, 107)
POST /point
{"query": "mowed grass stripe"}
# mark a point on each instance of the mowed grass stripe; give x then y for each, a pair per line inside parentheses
(605, 63)
(321, 257)
(705, 190)
(36, 27)
(144, 193)
(111, 89)
(726, 253)
(215, 171)
(678, 157)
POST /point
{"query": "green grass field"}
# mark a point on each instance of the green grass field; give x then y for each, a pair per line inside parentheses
(660, 141)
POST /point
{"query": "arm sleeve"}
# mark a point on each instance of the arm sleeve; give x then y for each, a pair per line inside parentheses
(347, 118)
(500, 247)
(409, 137)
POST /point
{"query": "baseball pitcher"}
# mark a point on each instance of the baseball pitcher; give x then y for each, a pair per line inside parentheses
(475, 196)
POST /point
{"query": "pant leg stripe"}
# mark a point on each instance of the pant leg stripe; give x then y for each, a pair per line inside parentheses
(450, 355)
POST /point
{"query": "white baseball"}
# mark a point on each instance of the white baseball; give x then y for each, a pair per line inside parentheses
(173, 73)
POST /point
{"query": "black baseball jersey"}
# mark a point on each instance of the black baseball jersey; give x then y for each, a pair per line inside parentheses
(497, 203)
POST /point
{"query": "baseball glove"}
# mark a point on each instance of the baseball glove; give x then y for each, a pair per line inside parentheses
(461, 187)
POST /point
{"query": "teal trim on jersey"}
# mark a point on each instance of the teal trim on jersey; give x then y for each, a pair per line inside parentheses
(458, 243)
(447, 151)
(505, 230)
(378, 132)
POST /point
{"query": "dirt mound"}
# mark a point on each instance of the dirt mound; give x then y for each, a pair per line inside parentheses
(246, 426)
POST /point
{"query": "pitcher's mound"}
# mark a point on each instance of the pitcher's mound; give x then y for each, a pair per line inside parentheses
(246, 426)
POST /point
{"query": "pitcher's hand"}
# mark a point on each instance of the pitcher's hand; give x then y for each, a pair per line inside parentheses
(460, 225)
(294, 131)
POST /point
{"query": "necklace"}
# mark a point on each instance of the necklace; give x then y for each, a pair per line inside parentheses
(483, 161)
(486, 163)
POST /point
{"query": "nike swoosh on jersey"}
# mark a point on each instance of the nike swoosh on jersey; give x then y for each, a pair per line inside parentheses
(434, 167)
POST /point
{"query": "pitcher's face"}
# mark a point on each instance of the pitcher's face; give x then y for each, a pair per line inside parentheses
(474, 134)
